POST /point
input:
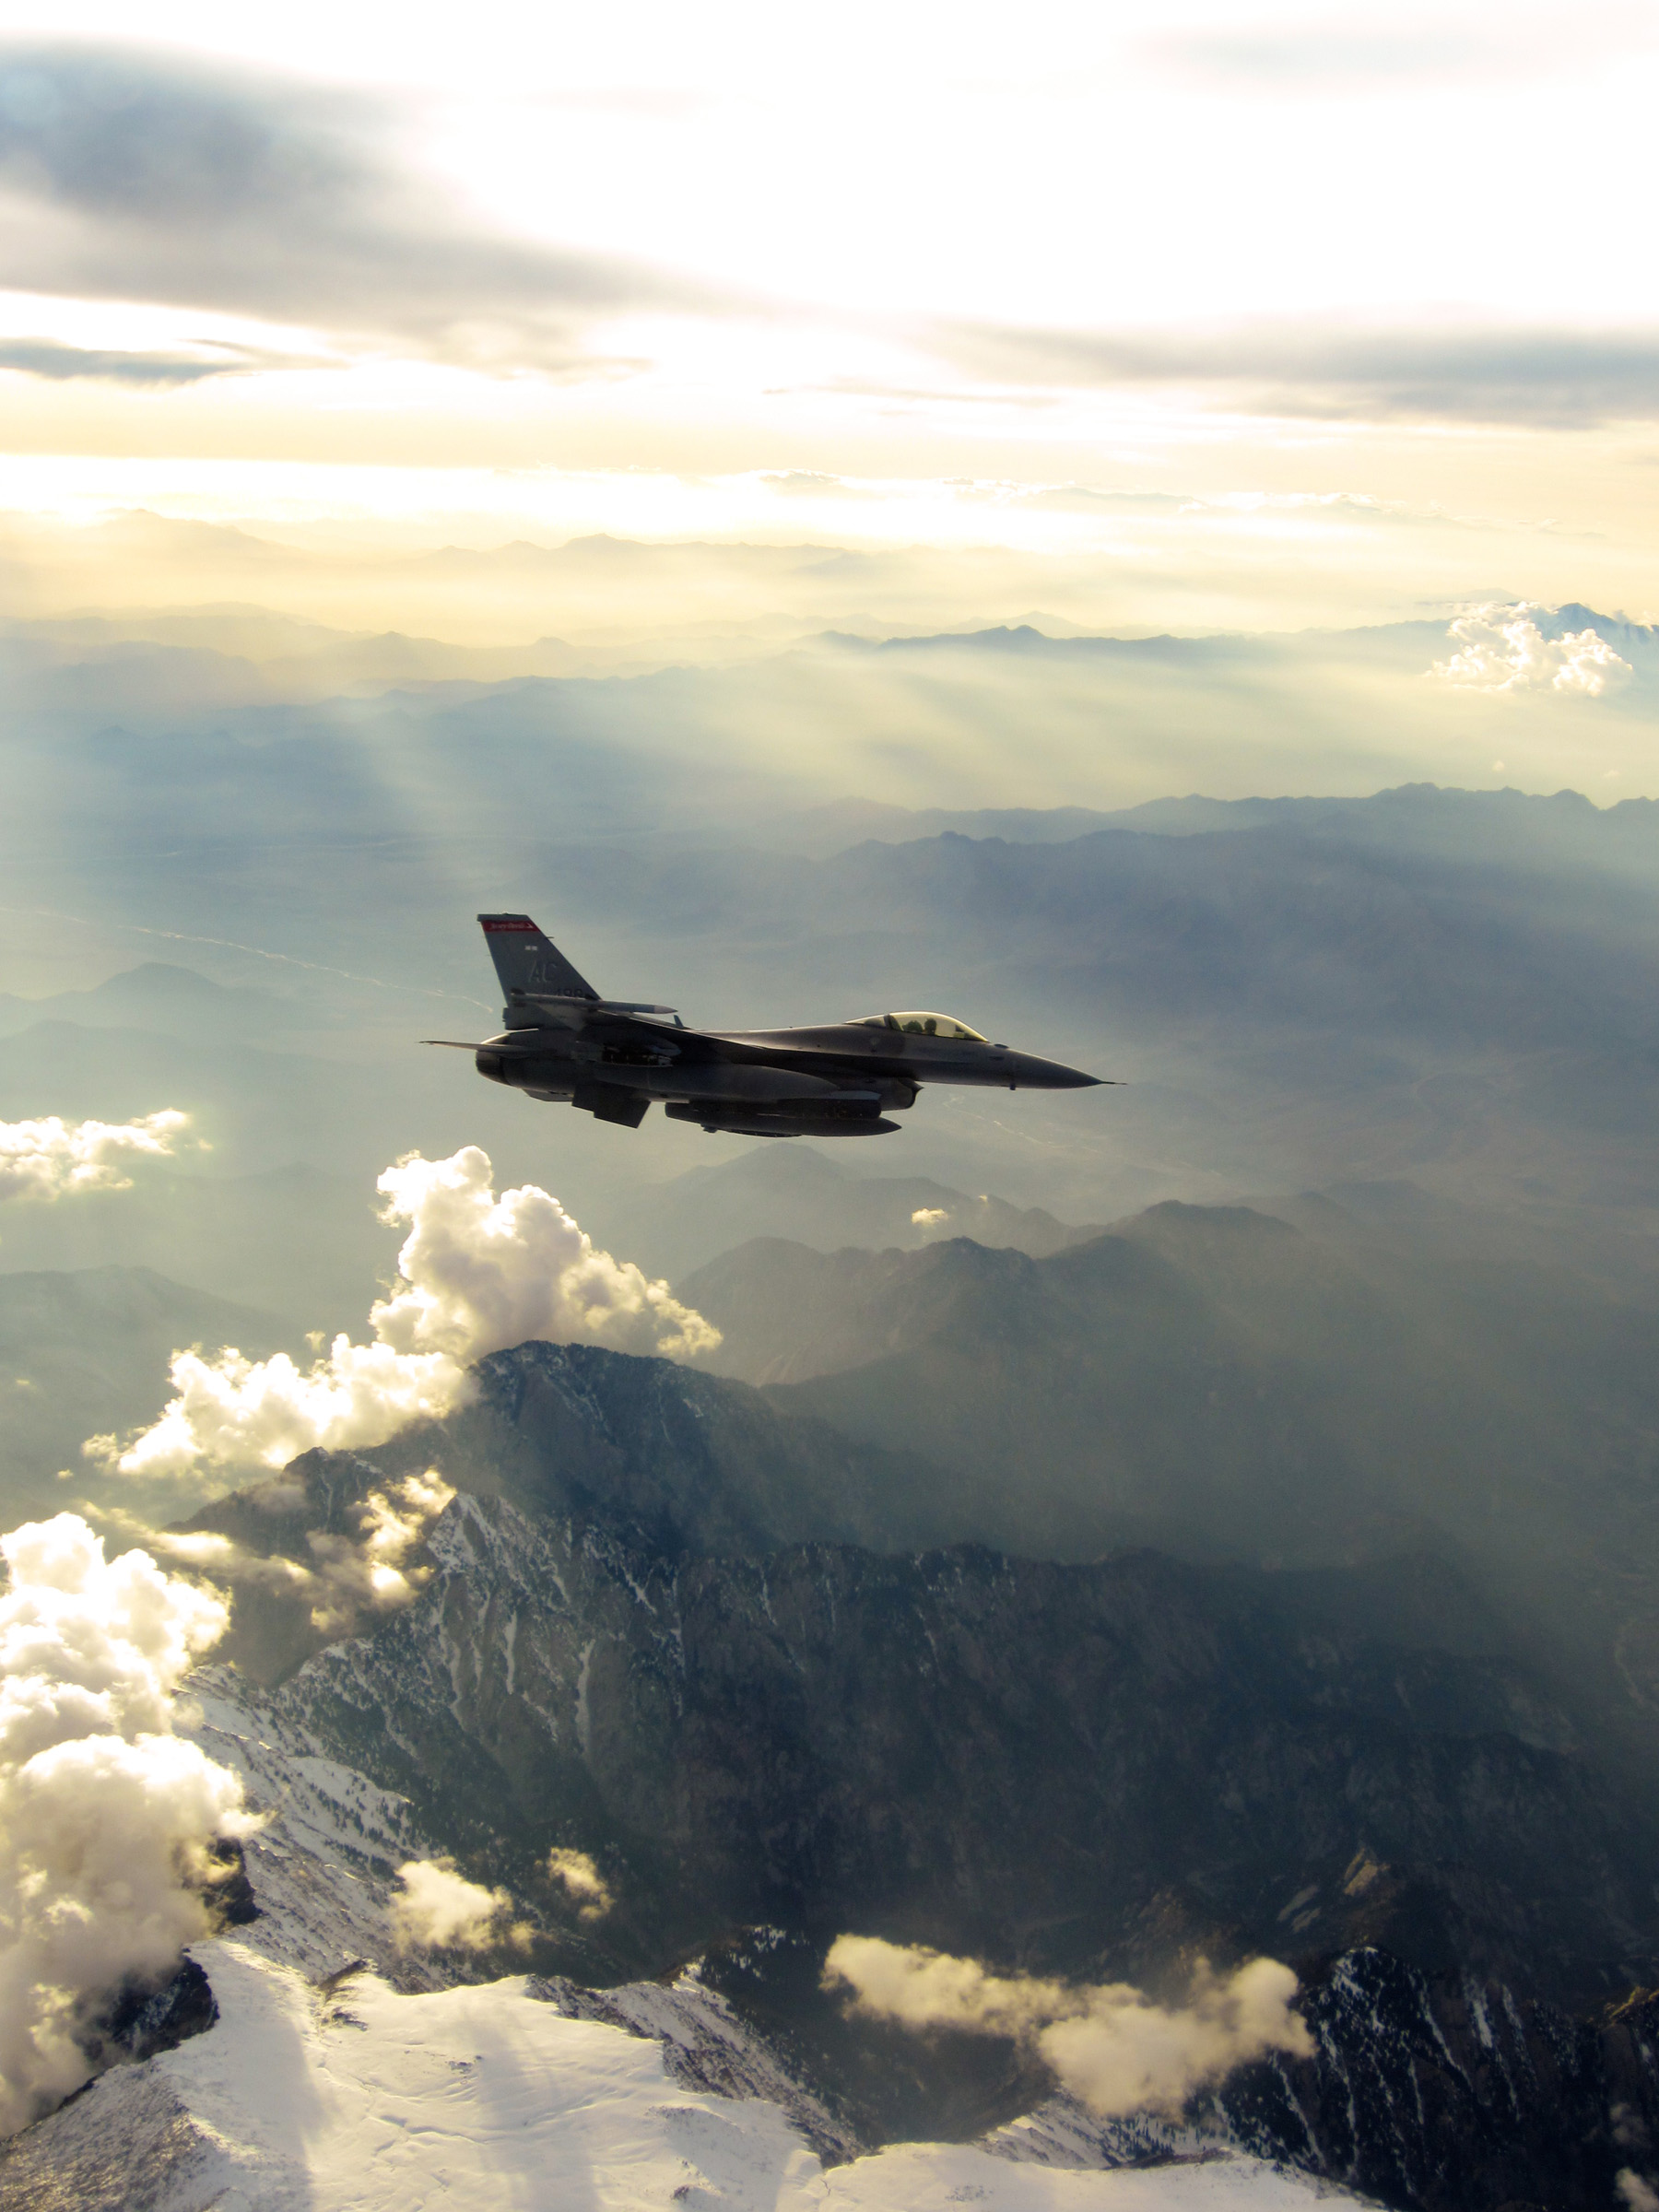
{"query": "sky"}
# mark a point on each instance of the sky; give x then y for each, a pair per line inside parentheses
(1227, 279)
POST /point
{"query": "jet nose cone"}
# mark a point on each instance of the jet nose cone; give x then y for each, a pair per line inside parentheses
(1050, 1075)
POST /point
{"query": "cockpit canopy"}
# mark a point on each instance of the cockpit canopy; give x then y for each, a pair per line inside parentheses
(922, 1025)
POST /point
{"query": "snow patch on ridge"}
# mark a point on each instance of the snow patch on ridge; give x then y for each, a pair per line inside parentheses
(704, 2046)
(323, 1863)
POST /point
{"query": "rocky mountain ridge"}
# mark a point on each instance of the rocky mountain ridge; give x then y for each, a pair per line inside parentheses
(991, 1754)
(315, 2061)
(691, 1463)
(652, 1628)
(798, 1191)
(1223, 1382)
(1009, 1758)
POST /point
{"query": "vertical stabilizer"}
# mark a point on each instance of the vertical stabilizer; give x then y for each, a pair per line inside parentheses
(529, 964)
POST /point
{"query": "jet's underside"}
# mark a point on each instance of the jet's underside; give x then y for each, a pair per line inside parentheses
(801, 1093)
(564, 1042)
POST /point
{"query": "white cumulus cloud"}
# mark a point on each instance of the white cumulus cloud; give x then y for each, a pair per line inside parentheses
(1502, 649)
(479, 1273)
(475, 1275)
(107, 1819)
(440, 1908)
(51, 1158)
(1108, 2043)
(582, 1882)
(928, 1216)
(230, 1411)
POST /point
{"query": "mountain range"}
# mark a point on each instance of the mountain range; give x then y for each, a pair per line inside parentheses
(1231, 1384)
(1257, 1572)
(1454, 987)
(305, 2057)
(1097, 1770)
(1225, 1581)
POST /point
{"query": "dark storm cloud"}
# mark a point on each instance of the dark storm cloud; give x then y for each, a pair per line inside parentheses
(137, 176)
(1560, 378)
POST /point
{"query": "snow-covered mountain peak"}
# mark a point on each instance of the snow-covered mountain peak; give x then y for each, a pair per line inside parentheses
(351, 2096)
(343, 2074)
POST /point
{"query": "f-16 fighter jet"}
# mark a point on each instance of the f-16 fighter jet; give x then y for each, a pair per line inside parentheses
(611, 1059)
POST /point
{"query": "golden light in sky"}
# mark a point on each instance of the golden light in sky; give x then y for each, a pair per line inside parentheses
(1325, 313)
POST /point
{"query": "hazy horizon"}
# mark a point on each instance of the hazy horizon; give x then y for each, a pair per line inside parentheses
(1189, 320)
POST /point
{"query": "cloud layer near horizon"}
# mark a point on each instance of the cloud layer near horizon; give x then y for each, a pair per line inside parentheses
(1108, 2043)
(1474, 371)
(1502, 649)
(476, 1274)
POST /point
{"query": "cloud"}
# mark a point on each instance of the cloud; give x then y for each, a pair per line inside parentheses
(1566, 379)
(138, 175)
(806, 483)
(220, 1558)
(1084, 499)
(929, 1216)
(51, 1158)
(1108, 2043)
(1638, 2194)
(440, 1909)
(1629, 2129)
(1502, 649)
(362, 1571)
(149, 371)
(230, 1411)
(476, 1274)
(481, 1273)
(582, 1882)
(107, 1819)
(1329, 61)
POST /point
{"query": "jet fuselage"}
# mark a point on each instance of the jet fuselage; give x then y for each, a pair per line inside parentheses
(562, 1041)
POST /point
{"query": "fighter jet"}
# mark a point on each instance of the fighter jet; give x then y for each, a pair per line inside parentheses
(611, 1058)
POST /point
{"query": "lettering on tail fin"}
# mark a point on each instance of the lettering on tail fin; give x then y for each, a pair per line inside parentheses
(528, 962)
